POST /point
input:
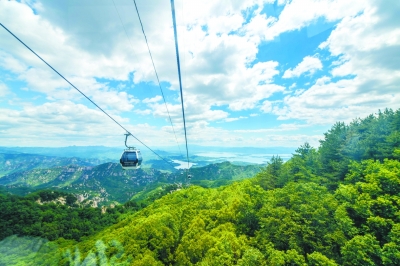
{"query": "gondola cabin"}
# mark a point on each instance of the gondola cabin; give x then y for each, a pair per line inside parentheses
(131, 159)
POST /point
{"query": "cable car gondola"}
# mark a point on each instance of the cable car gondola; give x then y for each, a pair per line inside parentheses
(131, 158)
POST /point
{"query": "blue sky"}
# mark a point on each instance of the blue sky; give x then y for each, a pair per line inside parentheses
(259, 73)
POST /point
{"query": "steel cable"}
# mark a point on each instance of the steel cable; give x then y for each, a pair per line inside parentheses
(82, 93)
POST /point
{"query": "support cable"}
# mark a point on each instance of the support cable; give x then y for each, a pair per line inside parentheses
(180, 79)
(126, 33)
(82, 93)
(155, 71)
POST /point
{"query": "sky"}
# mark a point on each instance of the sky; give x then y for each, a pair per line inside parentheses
(255, 73)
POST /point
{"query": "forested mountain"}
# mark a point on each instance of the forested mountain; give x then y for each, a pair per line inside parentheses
(375, 137)
(12, 162)
(99, 153)
(107, 183)
(338, 204)
(52, 214)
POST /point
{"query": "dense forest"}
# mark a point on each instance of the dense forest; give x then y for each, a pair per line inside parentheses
(54, 214)
(338, 204)
(106, 183)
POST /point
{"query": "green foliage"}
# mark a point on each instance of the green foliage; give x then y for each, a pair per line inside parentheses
(299, 217)
(375, 137)
(391, 250)
(290, 257)
(269, 177)
(14, 248)
(305, 166)
(42, 214)
(318, 259)
(151, 193)
(29, 251)
(335, 205)
(302, 223)
(371, 196)
(12, 161)
(362, 250)
(334, 162)
(251, 257)
(108, 183)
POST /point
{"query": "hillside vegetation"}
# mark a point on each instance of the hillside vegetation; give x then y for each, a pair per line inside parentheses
(14, 162)
(335, 205)
(108, 183)
(52, 215)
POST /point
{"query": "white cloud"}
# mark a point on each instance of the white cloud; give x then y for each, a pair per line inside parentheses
(321, 81)
(225, 24)
(283, 2)
(266, 106)
(194, 113)
(57, 121)
(203, 133)
(65, 123)
(3, 89)
(334, 101)
(153, 100)
(309, 65)
(369, 47)
(280, 128)
(44, 80)
(11, 63)
(342, 70)
(57, 48)
(88, 45)
(231, 119)
(298, 14)
(143, 112)
(116, 101)
(367, 72)
(218, 69)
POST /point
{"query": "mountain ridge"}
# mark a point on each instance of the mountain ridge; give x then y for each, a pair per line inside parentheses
(107, 183)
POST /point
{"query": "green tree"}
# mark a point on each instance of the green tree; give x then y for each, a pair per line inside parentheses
(268, 178)
(299, 217)
(362, 250)
(334, 162)
(305, 165)
(318, 259)
(391, 250)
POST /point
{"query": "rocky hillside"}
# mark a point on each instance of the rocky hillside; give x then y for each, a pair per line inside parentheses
(108, 182)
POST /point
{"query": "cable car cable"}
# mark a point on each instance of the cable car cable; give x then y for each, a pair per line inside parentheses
(179, 74)
(126, 33)
(155, 71)
(82, 93)
(159, 84)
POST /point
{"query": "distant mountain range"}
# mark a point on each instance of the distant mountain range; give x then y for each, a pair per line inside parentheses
(104, 183)
(200, 155)
(95, 176)
(19, 162)
(99, 153)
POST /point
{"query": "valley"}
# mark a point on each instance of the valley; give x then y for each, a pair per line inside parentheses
(106, 183)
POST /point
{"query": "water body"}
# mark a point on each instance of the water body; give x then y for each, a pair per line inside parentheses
(242, 157)
(182, 164)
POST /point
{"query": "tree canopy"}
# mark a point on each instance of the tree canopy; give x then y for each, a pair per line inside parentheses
(338, 204)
